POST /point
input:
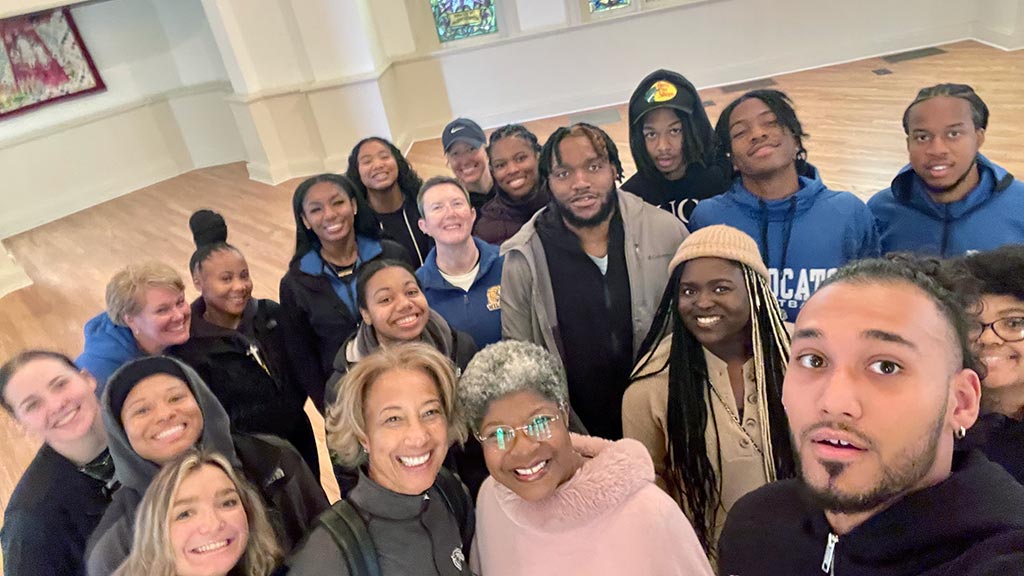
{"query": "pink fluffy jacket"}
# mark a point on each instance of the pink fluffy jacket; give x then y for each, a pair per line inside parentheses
(610, 518)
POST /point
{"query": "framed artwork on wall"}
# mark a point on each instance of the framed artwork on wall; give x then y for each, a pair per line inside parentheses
(43, 60)
(460, 19)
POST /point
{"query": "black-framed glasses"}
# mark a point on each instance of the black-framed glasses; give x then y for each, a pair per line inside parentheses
(503, 437)
(1009, 329)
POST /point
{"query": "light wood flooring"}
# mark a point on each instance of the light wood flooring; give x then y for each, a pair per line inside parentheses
(852, 115)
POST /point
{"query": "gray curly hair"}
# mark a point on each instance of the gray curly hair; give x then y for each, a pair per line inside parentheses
(505, 368)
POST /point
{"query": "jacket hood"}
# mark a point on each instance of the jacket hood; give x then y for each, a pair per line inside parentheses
(108, 341)
(430, 275)
(611, 473)
(908, 189)
(135, 472)
(644, 86)
(777, 210)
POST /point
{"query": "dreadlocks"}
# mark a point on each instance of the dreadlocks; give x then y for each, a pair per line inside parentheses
(691, 472)
(599, 139)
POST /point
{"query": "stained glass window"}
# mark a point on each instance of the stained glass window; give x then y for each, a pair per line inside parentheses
(458, 19)
(603, 5)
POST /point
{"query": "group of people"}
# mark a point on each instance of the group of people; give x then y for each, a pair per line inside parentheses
(525, 369)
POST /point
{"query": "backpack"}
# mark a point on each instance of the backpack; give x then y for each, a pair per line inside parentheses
(349, 531)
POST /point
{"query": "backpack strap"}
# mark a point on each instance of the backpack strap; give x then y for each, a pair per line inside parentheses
(349, 531)
(457, 500)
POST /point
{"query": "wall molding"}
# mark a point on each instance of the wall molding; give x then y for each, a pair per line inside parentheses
(115, 110)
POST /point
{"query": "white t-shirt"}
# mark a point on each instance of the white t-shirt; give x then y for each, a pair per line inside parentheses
(602, 263)
(464, 281)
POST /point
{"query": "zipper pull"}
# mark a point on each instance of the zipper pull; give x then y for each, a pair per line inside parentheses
(830, 551)
(254, 352)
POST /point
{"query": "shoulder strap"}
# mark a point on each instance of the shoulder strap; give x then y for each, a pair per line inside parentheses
(457, 500)
(353, 539)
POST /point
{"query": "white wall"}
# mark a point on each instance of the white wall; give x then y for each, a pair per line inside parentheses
(1001, 22)
(163, 113)
(712, 43)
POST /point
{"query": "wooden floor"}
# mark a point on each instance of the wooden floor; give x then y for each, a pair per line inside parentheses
(852, 115)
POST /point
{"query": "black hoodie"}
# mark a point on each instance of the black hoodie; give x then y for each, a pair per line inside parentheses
(294, 497)
(705, 177)
(972, 523)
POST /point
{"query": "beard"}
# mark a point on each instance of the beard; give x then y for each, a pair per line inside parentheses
(958, 182)
(907, 469)
(602, 214)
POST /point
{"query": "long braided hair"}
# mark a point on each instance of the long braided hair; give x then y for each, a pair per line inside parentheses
(691, 472)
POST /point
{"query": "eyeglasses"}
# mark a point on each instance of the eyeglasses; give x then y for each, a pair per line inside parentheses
(503, 437)
(1009, 329)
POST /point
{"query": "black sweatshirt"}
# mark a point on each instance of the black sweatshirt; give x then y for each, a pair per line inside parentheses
(972, 523)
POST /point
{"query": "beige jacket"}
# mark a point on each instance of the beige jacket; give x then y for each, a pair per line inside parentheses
(652, 236)
(645, 418)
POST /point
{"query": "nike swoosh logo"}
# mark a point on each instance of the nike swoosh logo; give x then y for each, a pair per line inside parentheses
(456, 129)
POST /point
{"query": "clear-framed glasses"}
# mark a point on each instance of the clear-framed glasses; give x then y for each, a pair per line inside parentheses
(503, 437)
(1010, 329)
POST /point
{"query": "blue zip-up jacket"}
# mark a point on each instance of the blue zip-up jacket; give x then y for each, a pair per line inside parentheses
(803, 239)
(107, 347)
(990, 216)
(476, 312)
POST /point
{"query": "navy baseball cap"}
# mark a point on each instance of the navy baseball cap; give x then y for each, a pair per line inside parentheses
(462, 130)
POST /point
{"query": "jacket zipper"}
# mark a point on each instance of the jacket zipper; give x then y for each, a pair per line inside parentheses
(827, 563)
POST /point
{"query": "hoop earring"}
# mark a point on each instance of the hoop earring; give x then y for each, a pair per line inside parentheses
(960, 433)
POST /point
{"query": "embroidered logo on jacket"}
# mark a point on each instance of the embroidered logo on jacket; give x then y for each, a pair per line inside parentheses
(494, 298)
(458, 559)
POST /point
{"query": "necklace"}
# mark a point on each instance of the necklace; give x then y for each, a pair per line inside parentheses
(735, 418)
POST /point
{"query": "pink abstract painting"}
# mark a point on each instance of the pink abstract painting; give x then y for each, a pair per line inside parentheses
(43, 60)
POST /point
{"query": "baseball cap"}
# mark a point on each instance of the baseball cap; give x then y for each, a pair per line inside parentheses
(462, 130)
(662, 93)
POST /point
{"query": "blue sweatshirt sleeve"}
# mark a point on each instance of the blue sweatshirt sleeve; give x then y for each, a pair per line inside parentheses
(870, 246)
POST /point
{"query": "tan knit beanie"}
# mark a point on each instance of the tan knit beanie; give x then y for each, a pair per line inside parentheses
(720, 241)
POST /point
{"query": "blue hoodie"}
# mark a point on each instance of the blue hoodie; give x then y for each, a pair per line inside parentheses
(107, 347)
(809, 234)
(990, 216)
(476, 312)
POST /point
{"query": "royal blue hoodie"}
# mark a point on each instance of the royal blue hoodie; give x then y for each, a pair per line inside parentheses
(803, 239)
(990, 216)
(477, 312)
(107, 347)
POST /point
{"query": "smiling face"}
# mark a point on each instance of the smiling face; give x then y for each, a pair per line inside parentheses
(163, 321)
(713, 304)
(53, 401)
(395, 306)
(447, 215)
(943, 144)
(583, 183)
(514, 162)
(1002, 359)
(378, 169)
(406, 431)
(161, 418)
(224, 282)
(533, 469)
(761, 146)
(873, 393)
(329, 212)
(468, 164)
(663, 138)
(208, 528)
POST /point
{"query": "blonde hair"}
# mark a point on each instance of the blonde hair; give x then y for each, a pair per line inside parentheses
(344, 420)
(127, 288)
(152, 553)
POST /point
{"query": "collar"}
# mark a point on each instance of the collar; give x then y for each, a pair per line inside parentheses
(371, 497)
